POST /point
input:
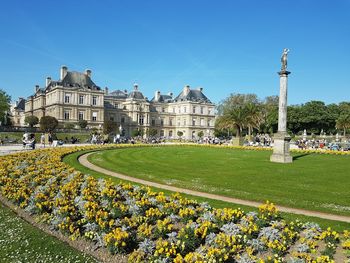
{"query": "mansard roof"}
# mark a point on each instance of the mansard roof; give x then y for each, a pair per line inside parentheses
(120, 94)
(75, 79)
(78, 79)
(135, 94)
(192, 95)
(163, 98)
(21, 104)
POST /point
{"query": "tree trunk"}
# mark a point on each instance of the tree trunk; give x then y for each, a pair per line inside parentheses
(344, 132)
(249, 131)
(238, 131)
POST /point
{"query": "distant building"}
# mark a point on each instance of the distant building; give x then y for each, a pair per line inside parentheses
(76, 97)
(17, 113)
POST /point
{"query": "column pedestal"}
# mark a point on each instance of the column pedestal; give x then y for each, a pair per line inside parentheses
(281, 148)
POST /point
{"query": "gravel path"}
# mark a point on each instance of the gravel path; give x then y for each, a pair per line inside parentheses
(84, 161)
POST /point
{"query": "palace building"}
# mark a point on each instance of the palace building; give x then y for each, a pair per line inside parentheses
(76, 97)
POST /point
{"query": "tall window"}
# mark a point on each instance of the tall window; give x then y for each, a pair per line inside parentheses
(153, 122)
(81, 99)
(94, 116)
(94, 100)
(185, 109)
(184, 122)
(194, 122)
(209, 111)
(66, 98)
(122, 120)
(194, 109)
(163, 109)
(202, 110)
(173, 109)
(81, 115)
(66, 115)
(161, 122)
(170, 122)
(141, 120)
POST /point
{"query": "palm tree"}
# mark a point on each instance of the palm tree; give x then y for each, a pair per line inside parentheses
(254, 116)
(236, 118)
(343, 122)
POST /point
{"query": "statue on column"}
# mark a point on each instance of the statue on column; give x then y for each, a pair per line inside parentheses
(284, 59)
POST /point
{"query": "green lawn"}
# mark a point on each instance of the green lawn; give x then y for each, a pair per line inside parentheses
(313, 182)
(22, 242)
(336, 225)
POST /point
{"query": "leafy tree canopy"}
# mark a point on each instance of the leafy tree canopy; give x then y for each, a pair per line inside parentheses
(48, 123)
(5, 100)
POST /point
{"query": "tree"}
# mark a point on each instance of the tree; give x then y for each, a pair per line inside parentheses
(239, 111)
(343, 122)
(254, 116)
(152, 132)
(136, 132)
(109, 127)
(200, 134)
(269, 110)
(48, 123)
(180, 133)
(5, 100)
(69, 125)
(31, 120)
(315, 117)
(82, 124)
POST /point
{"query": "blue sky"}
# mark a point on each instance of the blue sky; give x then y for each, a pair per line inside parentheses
(223, 46)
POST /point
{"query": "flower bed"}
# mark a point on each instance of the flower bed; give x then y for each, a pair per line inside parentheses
(151, 227)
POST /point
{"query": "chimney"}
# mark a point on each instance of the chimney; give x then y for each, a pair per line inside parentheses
(36, 88)
(126, 91)
(170, 94)
(106, 90)
(64, 70)
(136, 87)
(186, 90)
(200, 89)
(157, 95)
(88, 72)
(48, 81)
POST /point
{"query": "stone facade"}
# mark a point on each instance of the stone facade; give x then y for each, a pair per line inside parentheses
(75, 97)
(17, 113)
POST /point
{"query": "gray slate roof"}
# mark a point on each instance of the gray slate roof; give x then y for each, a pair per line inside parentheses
(21, 104)
(163, 98)
(135, 94)
(193, 95)
(75, 79)
(118, 94)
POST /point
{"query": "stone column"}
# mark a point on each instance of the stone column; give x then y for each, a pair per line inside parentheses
(281, 138)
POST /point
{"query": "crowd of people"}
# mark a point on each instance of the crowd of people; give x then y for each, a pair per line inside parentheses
(258, 140)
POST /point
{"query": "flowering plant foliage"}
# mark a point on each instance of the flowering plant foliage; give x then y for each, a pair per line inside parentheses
(150, 226)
